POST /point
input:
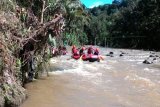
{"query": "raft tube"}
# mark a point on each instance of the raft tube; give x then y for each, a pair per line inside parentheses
(76, 57)
(91, 58)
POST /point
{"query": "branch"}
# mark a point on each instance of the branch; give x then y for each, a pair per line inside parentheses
(33, 35)
(46, 7)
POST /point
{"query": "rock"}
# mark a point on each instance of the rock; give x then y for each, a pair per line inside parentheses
(111, 53)
(151, 56)
(152, 52)
(147, 62)
(121, 54)
(108, 55)
(154, 58)
(111, 56)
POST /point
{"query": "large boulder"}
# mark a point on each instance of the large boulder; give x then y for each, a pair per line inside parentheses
(147, 62)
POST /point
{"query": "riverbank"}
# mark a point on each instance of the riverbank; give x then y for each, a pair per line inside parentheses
(24, 48)
(12, 94)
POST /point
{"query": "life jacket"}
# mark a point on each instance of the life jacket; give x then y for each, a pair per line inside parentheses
(73, 47)
(96, 51)
(81, 52)
(90, 50)
(75, 51)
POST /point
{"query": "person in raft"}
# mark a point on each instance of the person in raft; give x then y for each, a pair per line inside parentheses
(90, 50)
(81, 52)
(74, 51)
(96, 52)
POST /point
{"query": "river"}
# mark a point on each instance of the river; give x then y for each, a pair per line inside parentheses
(114, 82)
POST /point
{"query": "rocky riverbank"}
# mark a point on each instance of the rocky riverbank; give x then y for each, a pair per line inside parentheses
(150, 57)
(12, 94)
(23, 55)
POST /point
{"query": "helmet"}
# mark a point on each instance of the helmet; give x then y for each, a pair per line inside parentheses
(73, 46)
(97, 49)
(83, 48)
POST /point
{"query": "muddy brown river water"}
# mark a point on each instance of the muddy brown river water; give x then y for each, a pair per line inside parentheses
(114, 82)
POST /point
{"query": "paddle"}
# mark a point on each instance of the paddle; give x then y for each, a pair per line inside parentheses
(101, 57)
(80, 58)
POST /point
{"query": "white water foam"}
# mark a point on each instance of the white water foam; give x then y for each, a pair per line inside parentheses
(53, 61)
(79, 69)
(113, 61)
(149, 70)
(140, 80)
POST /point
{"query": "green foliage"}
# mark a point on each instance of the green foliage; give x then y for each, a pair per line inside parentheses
(126, 24)
(74, 12)
(98, 30)
(139, 25)
(75, 39)
(76, 19)
(24, 3)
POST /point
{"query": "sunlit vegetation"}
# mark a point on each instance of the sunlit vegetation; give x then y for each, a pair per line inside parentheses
(126, 24)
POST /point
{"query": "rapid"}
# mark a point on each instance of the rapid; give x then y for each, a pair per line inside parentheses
(114, 82)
